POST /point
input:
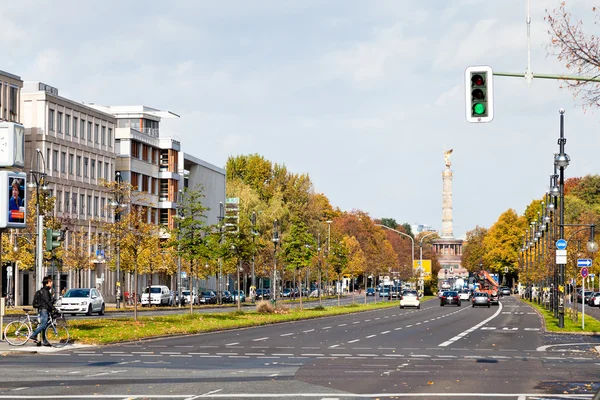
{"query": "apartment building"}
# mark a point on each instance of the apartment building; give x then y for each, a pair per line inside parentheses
(77, 152)
(10, 106)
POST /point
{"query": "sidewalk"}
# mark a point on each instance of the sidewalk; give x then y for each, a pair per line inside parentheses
(31, 348)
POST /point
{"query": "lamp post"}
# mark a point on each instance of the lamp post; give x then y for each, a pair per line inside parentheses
(116, 205)
(38, 181)
(561, 160)
(328, 248)
(254, 233)
(421, 262)
(275, 241)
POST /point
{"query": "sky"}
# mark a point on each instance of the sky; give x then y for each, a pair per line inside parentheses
(363, 96)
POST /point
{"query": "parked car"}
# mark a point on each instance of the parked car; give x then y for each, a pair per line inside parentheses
(240, 294)
(370, 292)
(595, 300)
(263, 294)
(207, 298)
(79, 301)
(385, 292)
(410, 298)
(450, 297)
(226, 297)
(187, 298)
(481, 299)
(156, 295)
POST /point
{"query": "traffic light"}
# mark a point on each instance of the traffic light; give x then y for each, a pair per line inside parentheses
(53, 239)
(479, 91)
(232, 215)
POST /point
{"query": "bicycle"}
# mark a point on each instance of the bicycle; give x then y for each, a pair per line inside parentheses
(18, 332)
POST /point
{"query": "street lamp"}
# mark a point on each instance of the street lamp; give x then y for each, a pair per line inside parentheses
(38, 181)
(328, 248)
(421, 283)
(115, 204)
(275, 241)
(254, 234)
(561, 160)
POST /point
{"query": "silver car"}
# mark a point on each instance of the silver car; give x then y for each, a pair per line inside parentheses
(481, 299)
(79, 301)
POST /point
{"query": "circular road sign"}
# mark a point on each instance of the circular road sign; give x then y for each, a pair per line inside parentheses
(561, 244)
(584, 272)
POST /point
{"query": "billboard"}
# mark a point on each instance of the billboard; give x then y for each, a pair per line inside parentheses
(13, 199)
(426, 268)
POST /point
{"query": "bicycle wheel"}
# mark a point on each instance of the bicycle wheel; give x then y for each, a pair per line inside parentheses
(57, 333)
(17, 333)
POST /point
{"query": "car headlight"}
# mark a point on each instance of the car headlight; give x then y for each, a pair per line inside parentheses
(83, 303)
(58, 303)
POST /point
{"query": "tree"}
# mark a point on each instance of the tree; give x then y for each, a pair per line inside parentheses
(474, 249)
(502, 243)
(389, 222)
(577, 50)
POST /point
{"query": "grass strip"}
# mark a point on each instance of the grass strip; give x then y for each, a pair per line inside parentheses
(592, 325)
(112, 330)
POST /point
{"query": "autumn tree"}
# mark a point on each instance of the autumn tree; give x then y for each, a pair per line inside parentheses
(578, 51)
(503, 242)
(474, 249)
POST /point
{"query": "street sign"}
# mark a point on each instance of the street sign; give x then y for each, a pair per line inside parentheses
(584, 272)
(584, 262)
(592, 276)
(561, 244)
(9, 270)
(561, 256)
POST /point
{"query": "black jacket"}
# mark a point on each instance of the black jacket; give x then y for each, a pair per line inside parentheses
(47, 303)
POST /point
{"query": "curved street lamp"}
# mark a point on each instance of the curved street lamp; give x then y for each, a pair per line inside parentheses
(116, 204)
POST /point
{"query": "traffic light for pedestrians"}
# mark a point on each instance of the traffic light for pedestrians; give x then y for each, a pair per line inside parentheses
(479, 91)
(53, 239)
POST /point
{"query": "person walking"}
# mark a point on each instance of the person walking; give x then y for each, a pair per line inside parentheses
(44, 309)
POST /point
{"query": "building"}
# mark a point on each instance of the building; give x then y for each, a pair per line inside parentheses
(76, 146)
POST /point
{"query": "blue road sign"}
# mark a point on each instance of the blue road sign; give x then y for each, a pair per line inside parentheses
(584, 262)
(561, 244)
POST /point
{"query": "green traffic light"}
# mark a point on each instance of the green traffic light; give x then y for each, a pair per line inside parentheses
(479, 109)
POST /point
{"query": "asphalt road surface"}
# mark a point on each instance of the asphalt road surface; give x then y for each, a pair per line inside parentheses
(432, 353)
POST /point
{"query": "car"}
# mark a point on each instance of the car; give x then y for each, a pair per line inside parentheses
(207, 298)
(370, 292)
(449, 297)
(410, 298)
(240, 294)
(263, 294)
(594, 300)
(481, 299)
(81, 301)
(187, 298)
(156, 295)
(504, 291)
(226, 297)
(385, 292)
(464, 294)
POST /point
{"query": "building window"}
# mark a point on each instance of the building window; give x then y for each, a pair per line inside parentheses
(67, 202)
(95, 206)
(99, 169)
(164, 216)
(85, 167)
(51, 120)
(63, 162)
(78, 165)
(134, 180)
(103, 135)
(55, 161)
(75, 127)
(109, 137)
(59, 122)
(48, 159)
(102, 206)
(82, 204)
(71, 161)
(89, 205)
(89, 132)
(106, 171)
(75, 203)
(13, 103)
(93, 172)
(97, 133)
(135, 149)
(82, 128)
(59, 200)
(67, 124)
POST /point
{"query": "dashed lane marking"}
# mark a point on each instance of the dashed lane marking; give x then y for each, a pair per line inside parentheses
(479, 325)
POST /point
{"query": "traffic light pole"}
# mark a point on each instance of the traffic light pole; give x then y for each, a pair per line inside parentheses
(550, 76)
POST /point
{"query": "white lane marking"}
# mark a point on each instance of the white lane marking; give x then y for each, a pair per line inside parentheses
(384, 332)
(509, 329)
(334, 346)
(20, 388)
(369, 337)
(287, 334)
(544, 348)
(309, 330)
(354, 341)
(311, 355)
(488, 328)
(344, 324)
(397, 329)
(532, 329)
(355, 322)
(479, 325)
(259, 339)
(408, 326)
(232, 344)
(326, 327)
(283, 354)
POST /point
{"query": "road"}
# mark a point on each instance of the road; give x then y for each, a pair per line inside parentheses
(432, 353)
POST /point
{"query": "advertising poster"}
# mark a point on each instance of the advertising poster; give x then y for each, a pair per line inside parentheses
(16, 202)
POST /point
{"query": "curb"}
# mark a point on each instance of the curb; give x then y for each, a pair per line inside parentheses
(558, 332)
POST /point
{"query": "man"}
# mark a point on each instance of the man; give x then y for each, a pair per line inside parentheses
(44, 310)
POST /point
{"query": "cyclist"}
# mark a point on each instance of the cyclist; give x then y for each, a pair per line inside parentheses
(44, 309)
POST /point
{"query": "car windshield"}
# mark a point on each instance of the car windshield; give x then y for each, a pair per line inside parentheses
(186, 292)
(409, 293)
(153, 290)
(206, 294)
(78, 293)
(481, 295)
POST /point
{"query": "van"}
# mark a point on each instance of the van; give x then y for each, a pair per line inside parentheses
(156, 295)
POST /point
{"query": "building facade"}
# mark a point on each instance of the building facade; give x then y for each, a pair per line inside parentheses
(76, 154)
(10, 97)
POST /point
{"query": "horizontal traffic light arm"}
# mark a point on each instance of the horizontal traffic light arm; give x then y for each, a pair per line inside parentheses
(551, 76)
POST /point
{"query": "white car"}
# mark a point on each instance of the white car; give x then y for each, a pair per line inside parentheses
(410, 298)
(156, 295)
(465, 295)
(80, 301)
